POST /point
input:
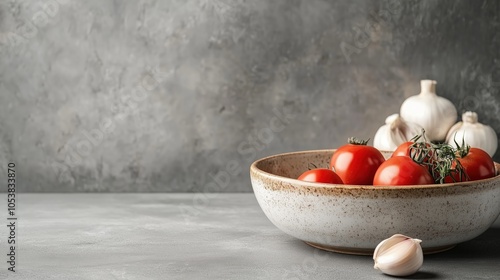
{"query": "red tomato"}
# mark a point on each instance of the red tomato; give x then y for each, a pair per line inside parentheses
(477, 165)
(356, 164)
(402, 170)
(321, 175)
(402, 150)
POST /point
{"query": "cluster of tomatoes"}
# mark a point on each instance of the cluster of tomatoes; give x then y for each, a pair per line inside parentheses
(358, 164)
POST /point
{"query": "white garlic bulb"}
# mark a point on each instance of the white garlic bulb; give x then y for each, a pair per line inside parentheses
(473, 133)
(398, 255)
(434, 113)
(395, 132)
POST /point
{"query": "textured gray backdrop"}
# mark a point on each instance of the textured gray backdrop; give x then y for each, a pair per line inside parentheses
(140, 96)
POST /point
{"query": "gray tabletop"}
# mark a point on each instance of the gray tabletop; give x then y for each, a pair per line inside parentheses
(193, 236)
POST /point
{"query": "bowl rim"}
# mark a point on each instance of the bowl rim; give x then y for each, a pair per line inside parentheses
(256, 170)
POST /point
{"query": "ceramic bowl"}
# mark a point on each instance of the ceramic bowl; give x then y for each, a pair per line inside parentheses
(354, 219)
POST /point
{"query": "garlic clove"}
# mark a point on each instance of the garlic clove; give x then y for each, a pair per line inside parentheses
(399, 255)
(388, 243)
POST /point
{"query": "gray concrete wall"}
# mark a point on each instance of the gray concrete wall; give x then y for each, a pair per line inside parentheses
(129, 96)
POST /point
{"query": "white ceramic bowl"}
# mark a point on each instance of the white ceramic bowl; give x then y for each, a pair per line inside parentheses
(354, 219)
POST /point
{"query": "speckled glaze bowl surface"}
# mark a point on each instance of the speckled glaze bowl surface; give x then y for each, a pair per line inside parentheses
(354, 219)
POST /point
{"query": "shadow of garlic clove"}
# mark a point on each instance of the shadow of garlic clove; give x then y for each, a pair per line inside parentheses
(398, 255)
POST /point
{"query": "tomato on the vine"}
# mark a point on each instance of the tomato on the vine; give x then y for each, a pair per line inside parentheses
(321, 175)
(477, 164)
(402, 150)
(356, 163)
(405, 149)
(402, 170)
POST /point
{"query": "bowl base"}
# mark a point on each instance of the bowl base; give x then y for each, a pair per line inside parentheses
(367, 251)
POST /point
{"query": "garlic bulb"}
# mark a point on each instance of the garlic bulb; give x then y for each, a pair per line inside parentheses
(434, 113)
(398, 255)
(473, 133)
(395, 132)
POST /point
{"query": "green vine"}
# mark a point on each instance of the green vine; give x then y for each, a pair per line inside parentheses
(356, 141)
(440, 159)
